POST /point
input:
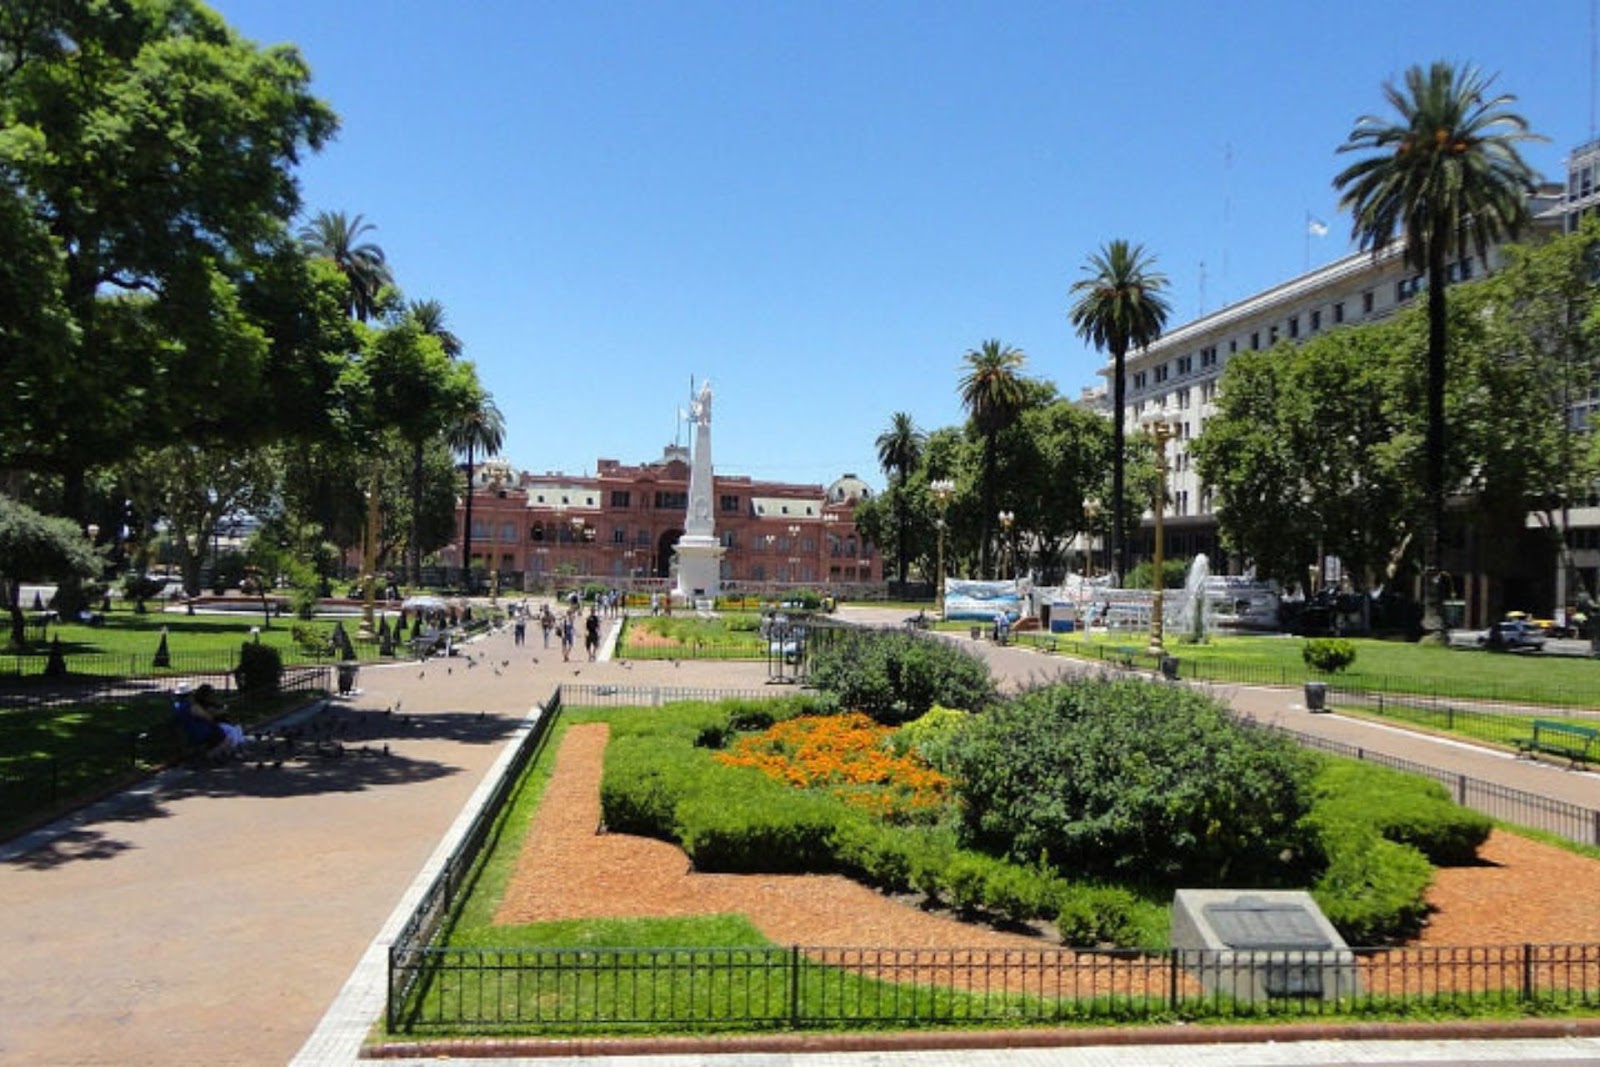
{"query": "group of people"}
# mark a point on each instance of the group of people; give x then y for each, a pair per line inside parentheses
(565, 626)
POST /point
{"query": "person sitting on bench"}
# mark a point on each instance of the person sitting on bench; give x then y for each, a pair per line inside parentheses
(198, 715)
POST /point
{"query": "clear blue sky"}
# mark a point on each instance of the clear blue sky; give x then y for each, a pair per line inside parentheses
(822, 204)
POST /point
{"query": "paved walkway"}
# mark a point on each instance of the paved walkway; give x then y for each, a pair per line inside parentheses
(213, 917)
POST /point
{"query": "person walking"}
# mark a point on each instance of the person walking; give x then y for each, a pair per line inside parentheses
(547, 622)
(519, 632)
(567, 637)
(591, 635)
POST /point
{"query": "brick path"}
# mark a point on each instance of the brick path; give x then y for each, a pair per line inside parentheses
(212, 917)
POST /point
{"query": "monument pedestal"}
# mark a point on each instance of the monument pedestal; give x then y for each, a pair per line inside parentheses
(699, 568)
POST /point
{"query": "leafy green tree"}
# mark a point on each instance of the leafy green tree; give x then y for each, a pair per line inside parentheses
(1120, 304)
(429, 319)
(899, 452)
(993, 393)
(34, 546)
(1445, 175)
(153, 147)
(478, 428)
(196, 489)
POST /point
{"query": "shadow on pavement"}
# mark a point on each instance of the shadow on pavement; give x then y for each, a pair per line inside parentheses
(337, 750)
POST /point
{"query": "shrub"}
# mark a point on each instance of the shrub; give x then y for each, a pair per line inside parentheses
(1328, 654)
(1127, 779)
(756, 829)
(260, 668)
(874, 854)
(1089, 915)
(895, 676)
(1405, 808)
(933, 736)
(1373, 890)
(311, 639)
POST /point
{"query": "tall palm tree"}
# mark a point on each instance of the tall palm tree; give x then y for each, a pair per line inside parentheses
(993, 393)
(337, 237)
(481, 428)
(1445, 174)
(429, 318)
(1120, 304)
(900, 450)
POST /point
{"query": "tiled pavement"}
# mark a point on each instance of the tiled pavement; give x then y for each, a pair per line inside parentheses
(213, 917)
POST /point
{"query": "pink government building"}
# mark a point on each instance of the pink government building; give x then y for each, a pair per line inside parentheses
(619, 526)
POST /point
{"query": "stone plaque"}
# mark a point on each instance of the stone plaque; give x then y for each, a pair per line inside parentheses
(1249, 922)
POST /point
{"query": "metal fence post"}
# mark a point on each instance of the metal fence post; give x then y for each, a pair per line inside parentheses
(1172, 978)
(1527, 972)
(794, 985)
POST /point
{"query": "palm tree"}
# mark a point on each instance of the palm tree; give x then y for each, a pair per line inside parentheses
(899, 450)
(334, 236)
(1120, 304)
(481, 428)
(428, 316)
(1445, 174)
(993, 393)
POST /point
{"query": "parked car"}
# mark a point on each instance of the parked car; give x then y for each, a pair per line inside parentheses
(1514, 635)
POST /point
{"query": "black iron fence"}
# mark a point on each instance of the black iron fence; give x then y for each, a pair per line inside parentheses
(1571, 821)
(412, 945)
(809, 987)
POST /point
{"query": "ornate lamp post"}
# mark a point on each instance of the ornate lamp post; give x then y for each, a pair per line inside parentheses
(1006, 519)
(1161, 431)
(942, 489)
(369, 562)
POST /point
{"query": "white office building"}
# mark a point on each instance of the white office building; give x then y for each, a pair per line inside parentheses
(1180, 372)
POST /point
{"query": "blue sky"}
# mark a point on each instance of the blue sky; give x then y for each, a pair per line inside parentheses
(822, 205)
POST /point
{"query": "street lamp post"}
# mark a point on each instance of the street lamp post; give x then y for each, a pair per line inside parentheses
(1007, 551)
(1091, 513)
(1161, 431)
(369, 562)
(943, 489)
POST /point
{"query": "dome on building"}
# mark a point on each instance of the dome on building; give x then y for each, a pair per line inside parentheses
(848, 489)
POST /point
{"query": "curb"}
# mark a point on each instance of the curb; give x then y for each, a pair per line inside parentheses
(968, 1040)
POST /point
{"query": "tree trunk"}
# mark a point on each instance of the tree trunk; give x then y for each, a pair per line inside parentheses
(414, 571)
(466, 531)
(1433, 540)
(988, 505)
(1119, 391)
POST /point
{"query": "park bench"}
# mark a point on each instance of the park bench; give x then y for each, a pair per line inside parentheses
(1577, 744)
(1122, 656)
(426, 644)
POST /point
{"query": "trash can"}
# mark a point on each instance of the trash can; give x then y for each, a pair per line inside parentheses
(1316, 696)
(1169, 668)
(347, 678)
(977, 633)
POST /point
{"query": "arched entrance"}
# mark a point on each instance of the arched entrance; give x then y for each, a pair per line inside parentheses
(665, 547)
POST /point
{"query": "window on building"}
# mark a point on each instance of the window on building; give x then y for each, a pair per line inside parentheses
(1140, 379)
(1366, 302)
(641, 537)
(480, 530)
(1208, 356)
(536, 532)
(619, 535)
(1294, 325)
(729, 503)
(1233, 345)
(1316, 320)
(1208, 391)
(728, 539)
(508, 532)
(1183, 399)
(1338, 312)
(1255, 341)
(1272, 334)
(1185, 364)
(619, 498)
(1182, 501)
(1161, 374)
(671, 499)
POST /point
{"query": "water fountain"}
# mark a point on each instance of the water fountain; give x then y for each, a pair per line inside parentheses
(1193, 614)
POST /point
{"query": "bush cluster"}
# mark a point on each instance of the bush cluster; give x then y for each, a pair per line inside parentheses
(1379, 833)
(895, 676)
(1128, 780)
(260, 668)
(1328, 654)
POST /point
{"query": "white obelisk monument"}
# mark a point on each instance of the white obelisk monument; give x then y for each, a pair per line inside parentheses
(699, 553)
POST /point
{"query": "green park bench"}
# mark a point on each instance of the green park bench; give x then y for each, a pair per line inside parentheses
(1574, 743)
(1123, 656)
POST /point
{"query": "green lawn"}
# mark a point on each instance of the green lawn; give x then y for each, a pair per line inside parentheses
(1380, 666)
(126, 640)
(725, 636)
